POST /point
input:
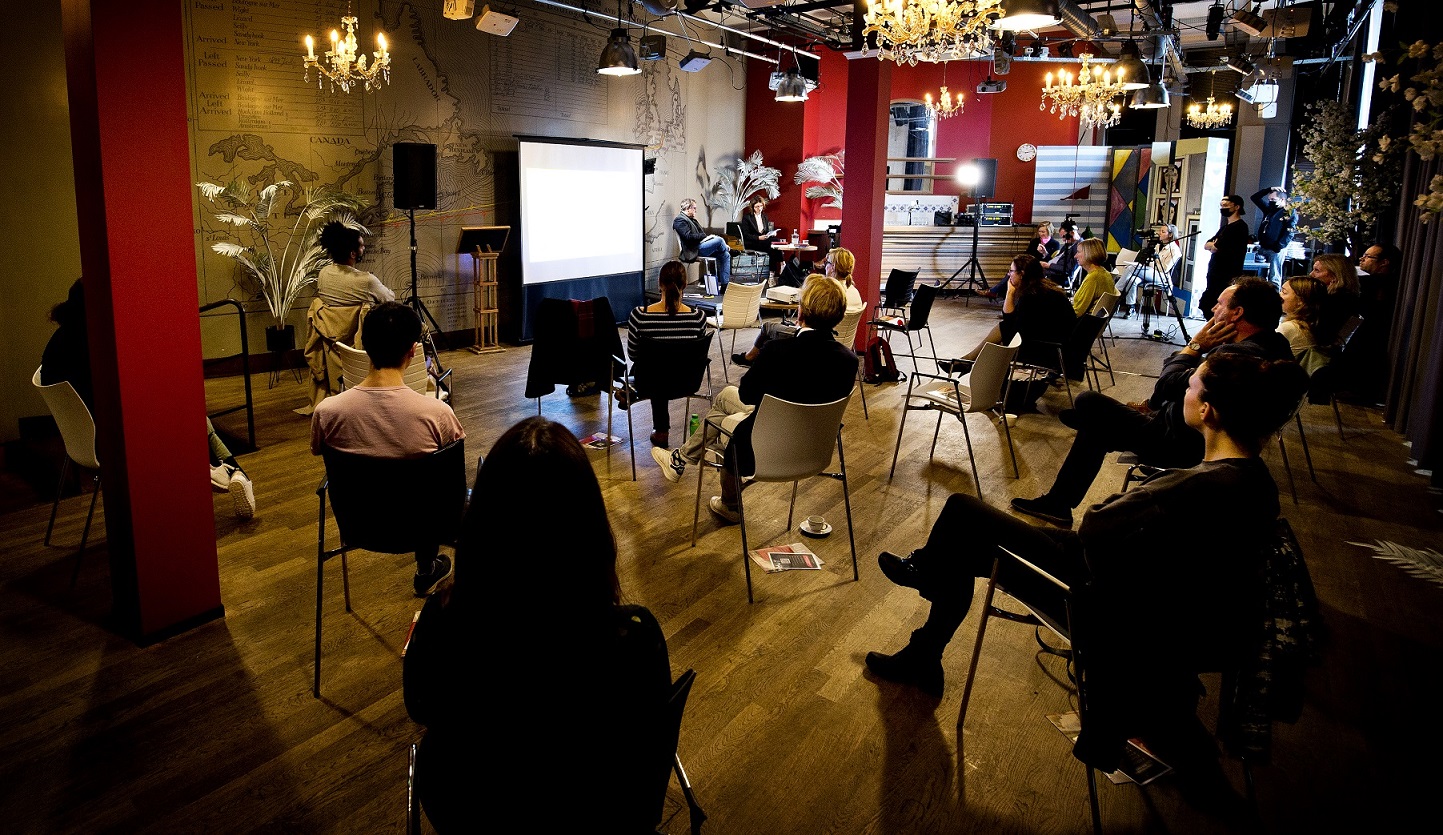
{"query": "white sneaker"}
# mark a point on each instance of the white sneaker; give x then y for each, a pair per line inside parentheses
(220, 478)
(673, 465)
(242, 494)
(722, 512)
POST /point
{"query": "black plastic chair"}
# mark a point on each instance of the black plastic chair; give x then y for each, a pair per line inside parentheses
(1074, 356)
(668, 369)
(389, 506)
(907, 322)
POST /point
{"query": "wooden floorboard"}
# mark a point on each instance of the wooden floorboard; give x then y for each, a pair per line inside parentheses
(215, 730)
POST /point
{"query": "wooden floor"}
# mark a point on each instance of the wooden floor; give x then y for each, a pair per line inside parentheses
(216, 730)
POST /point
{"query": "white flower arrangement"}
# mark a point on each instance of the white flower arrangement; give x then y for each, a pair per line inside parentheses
(1424, 91)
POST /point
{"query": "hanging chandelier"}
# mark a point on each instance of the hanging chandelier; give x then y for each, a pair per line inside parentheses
(910, 31)
(344, 65)
(944, 106)
(1089, 97)
(1213, 117)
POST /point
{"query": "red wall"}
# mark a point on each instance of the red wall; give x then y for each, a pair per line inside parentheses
(775, 128)
(990, 126)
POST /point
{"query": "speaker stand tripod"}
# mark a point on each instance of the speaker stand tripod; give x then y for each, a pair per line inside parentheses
(428, 341)
(976, 282)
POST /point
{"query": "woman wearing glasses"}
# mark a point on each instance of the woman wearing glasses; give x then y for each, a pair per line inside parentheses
(1035, 307)
(839, 264)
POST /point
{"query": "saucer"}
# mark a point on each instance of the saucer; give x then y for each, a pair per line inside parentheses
(824, 530)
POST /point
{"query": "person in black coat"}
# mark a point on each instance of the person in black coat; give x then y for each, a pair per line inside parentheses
(1275, 230)
(812, 367)
(1229, 248)
(696, 243)
(758, 233)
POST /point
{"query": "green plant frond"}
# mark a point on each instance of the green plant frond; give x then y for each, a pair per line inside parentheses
(1425, 564)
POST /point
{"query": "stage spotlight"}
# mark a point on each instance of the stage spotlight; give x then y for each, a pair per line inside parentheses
(1215, 21)
(967, 175)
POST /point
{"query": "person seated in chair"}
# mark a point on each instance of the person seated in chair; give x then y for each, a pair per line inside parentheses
(384, 418)
(839, 264)
(589, 676)
(812, 367)
(696, 243)
(1152, 271)
(758, 233)
(343, 294)
(1043, 247)
(1188, 592)
(1097, 280)
(666, 319)
(1034, 307)
(1060, 266)
(1244, 319)
(1343, 299)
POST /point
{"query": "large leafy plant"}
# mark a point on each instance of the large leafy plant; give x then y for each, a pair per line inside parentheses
(736, 184)
(280, 279)
(825, 171)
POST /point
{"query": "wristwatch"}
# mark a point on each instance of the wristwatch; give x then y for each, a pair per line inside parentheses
(1194, 346)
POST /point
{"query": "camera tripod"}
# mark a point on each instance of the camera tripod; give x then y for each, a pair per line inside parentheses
(1160, 280)
(428, 342)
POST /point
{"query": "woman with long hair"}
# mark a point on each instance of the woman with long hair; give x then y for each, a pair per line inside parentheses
(505, 671)
(667, 319)
(1343, 299)
(1302, 303)
(838, 266)
(1035, 307)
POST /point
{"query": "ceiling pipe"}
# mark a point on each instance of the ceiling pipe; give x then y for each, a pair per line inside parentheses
(730, 50)
(1077, 21)
(1152, 21)
(744, 34)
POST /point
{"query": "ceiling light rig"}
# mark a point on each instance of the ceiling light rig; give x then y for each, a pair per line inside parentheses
(1215, 115)
(1090, 98)
(911, 31)
(344, 65)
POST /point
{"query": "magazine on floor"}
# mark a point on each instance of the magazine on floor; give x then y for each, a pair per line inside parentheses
(1138, 765)
(791, 557)
(600, 440)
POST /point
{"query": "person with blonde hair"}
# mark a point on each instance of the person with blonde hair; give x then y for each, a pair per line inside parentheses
(1097, 281)
(839, 265)
(1343, 299)
(1302, 302)
(812, 367)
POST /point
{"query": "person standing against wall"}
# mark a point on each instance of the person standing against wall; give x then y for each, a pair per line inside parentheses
(1275, 230)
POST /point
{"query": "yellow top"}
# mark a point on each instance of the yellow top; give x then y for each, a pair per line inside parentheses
(1095, 284)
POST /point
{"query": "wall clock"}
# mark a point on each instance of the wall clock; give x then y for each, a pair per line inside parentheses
(1027, 152)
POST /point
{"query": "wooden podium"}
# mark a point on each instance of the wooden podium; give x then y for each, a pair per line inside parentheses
(484, 245)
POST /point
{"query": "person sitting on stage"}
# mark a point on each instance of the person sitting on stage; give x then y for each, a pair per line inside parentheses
(696, 243)
(1151, 271)
(382, 417)
(610, 718)
(343, 295)
(1245, 319)
(1343, 299)
(812, 367)
(1143, 551)
(838, 264)
(1036, 308)
(1092, 256)
(1302, 301)
(663, 320)
(758, 233)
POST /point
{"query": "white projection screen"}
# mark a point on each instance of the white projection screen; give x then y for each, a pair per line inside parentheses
(581, 210)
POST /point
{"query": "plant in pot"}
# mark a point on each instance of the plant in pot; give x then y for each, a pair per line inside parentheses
(736, 183)
(826, 171)
(283, 261)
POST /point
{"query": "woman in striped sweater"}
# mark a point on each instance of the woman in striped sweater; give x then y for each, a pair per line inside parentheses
(666, 319)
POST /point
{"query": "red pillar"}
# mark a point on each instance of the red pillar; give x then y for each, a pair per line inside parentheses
(125, 71)
(869, 88)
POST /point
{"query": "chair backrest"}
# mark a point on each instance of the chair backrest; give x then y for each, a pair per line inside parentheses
(898, 291)
(356, 364)
(741, 305)
(574, 341)
(822, 241)
(670, 368)
(846, 330)
(921, 307)
(791, 441)
(1079, 345)
(77, 426)
(989, 373)
(397, 505)
(1106, 304)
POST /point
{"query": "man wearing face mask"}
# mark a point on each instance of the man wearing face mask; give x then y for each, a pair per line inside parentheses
(1228, 247)
(1275, 230)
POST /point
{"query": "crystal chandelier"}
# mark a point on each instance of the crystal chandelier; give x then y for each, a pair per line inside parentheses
(944, 106)
(909, 31)
(343, 64)
(1090, 97)
(1213, 117)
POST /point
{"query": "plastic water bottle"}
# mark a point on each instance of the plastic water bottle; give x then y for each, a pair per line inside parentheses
(693, 424)
(796, 239)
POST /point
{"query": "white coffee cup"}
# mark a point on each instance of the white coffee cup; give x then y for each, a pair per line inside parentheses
(816, 523)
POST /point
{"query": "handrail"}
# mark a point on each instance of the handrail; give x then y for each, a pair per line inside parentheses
(245, 356)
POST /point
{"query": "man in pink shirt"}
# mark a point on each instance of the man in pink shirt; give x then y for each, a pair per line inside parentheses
(384, 418)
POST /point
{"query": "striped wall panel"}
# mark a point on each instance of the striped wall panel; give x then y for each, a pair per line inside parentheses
(939, 251)
(1063, 169)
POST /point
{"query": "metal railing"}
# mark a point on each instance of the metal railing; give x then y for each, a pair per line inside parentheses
(245, 357)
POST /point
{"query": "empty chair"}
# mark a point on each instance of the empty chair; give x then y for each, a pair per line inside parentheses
(984, 389)
(790, 442)
(910, 321)
(665, 369)
(355, 365)
(77, 430)
(846, 334)
(741, 308)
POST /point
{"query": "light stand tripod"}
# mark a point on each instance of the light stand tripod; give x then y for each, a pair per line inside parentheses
(1161, 280)
(976, 281)
(428, 344)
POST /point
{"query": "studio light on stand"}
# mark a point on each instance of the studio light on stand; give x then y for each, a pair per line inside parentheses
(617, 57)
(1215, 21)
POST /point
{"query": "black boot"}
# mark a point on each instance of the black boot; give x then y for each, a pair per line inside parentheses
(907, 666)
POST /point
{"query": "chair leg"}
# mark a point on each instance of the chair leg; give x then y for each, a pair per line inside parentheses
(742, 523)
(900, 424)
(792, 506)
(85, 534)
(1308, 456)
(700, 469)
(1066, 380)
(847, 503)
(59, 486)
(320, 580)
(1092, 801)
(694, 808)
(1288, 468)
(413, 799)
(962, 417)
(631, 440)
(1338, 416)
(935, 431)
(862, 387)
(977, 647)
(346, 580)
(933, 342)
(1016, 473)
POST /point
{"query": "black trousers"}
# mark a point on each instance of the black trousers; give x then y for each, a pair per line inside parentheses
(1105, 425)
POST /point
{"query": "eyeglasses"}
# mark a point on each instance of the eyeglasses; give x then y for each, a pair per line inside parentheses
(1369, 258)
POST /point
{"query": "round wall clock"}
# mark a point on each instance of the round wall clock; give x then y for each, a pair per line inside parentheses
(1027, 152)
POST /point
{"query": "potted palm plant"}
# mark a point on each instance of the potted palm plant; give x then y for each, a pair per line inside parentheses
(280, 277)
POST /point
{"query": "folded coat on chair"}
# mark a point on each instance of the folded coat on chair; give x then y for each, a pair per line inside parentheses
(327, 324)
(574, 344)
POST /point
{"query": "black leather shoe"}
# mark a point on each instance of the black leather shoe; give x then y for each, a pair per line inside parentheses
(902, 668)
(741, 359)
(900, 570)
(1044, 508)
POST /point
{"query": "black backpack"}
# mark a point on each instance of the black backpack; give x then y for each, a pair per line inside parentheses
(877, 364)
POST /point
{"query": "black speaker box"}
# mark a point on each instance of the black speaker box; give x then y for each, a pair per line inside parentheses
(986, 177)
(414, 168)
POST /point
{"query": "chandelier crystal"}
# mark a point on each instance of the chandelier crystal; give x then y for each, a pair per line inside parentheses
(344, 65)
(944, 106)
(911, 31)
(1089, 96)
(1213, 117)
